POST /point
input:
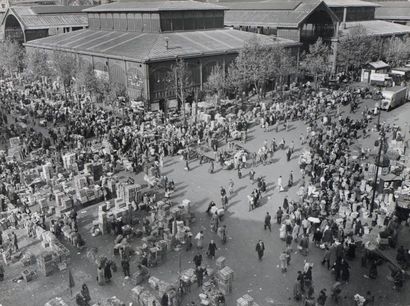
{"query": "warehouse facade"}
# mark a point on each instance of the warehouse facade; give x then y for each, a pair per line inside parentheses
(136, 43)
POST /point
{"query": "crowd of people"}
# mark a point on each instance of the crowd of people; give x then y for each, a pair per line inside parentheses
(333, 206)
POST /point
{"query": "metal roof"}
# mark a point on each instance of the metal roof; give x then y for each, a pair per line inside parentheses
(376, 28)
(379, 65)
(154, 6)
(262, 5)
(31, 20)
(57, 9)
(393, 10)
(350, 3)
(147, 47)
(273, 17)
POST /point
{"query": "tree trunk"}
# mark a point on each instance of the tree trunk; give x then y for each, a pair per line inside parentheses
(182, 101)
(65, 92)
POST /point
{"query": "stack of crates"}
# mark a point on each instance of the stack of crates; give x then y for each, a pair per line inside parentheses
(221, 262)
(45, 263)
(114, 301)
(225, 280)
(245, 300)
(57, 301)
(136, 294)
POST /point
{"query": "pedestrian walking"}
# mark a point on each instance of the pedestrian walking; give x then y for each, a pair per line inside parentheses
(230, 189)
(200, 272)
(252, 175)
(200, 240)
(125, 264)
(211, 167)
(268, 222)
(280, 184)
(326, 257)
(164, 299)
(222, 233)
(260, 249)
(288, 154)
(279, 215)
(224, 202)
(212, 249)
(283, 257)
(197, 260)
(1, 272)
(15, 241)
(290, 181)
(321, 299)
(85, 293)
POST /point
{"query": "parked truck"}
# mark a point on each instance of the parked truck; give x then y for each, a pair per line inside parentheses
(393, 97)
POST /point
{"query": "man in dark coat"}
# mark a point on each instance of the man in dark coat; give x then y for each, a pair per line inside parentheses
(107, 272)
(279, 215)
(267, 221)
(125, 263)
(197, 260)
(260, 249)
(200, 272)
(212, 249)
(164, 300)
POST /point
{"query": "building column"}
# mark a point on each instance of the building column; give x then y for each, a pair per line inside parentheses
(146, 87)
(344, 17)
(335, 44)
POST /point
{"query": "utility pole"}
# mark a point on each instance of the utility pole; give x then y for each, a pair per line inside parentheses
(376, 176)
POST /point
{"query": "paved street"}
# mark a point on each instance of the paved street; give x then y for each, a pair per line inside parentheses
(261, 279)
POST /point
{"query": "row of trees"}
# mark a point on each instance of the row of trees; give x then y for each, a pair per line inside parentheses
(359, 48)
(71, 74)
(259, 65)
(38, 65)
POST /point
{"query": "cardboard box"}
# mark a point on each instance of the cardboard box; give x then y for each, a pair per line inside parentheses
(153, 282)
(226, 273)
(136, 293)
(57, 301)
(220, 262)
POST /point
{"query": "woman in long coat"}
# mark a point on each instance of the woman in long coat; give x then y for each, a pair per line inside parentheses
(107, 272)
(345, 271)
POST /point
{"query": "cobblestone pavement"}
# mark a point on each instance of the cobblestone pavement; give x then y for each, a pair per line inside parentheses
(261, 279)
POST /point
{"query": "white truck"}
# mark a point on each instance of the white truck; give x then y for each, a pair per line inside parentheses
(393, 97)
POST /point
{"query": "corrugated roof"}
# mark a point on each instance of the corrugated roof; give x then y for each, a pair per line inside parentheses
(376, 28)
(154, 6)
(272, 18)
(57, 9)
(350, 3)
(144, 47)
(394, 4)
(33, 21)
(379, 65)
(393, 10)
(262, 5)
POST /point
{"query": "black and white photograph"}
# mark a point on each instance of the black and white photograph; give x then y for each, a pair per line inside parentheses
(204, 153)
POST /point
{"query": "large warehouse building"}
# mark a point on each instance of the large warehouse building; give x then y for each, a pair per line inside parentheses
(137, 43)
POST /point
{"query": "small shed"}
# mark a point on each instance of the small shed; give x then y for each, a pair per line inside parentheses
(375, 72)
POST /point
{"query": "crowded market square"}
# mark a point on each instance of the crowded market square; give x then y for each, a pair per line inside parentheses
(162, 153)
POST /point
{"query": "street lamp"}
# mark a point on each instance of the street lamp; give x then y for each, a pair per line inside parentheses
(381, 144)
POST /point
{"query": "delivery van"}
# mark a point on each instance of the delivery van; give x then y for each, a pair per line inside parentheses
(393, 97)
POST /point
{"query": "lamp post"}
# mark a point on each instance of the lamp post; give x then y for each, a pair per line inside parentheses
(376, 176)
